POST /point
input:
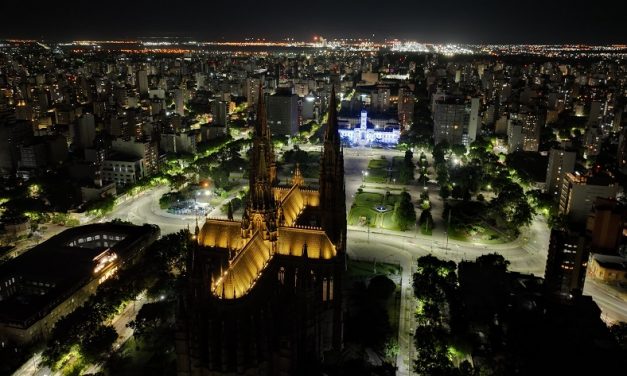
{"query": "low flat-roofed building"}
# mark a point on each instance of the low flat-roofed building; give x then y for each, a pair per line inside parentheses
(57, 276)
(608, 269)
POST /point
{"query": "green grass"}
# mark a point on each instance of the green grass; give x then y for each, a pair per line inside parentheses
(388, 221)
(484, 235)
(377, 175)
(360, 211)
(364, 205)
(368, 199)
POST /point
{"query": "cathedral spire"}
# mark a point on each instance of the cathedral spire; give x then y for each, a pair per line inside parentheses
(263, 136)
(297, 177)
(332, 133)
(332, 196)
(260, 211)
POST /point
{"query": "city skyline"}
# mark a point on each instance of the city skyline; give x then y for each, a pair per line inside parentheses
(531, 22)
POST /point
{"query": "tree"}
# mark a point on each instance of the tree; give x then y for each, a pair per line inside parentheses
(445, 192)
(101, 207)
(220, 177)
(99, 342)
(404, 213)
(426, 220)
(458, 149)
(230, 211)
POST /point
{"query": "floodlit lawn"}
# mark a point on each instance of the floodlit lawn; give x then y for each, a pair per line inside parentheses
(377, 171)
(368, 199)
(364, 206)
(478, 232)
(358, 212)
(388, 221)
(378, 175)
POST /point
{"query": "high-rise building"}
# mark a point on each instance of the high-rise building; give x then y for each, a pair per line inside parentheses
(252, 90)
(34, 155)
(219, 110)
(145, 150)
(308, 107)
(450, 119)
(283, 116)
(561, 162)
(530, 131)
(179, 102)
(406, 105)
(13, 134)
(474, 121)
(579, 192)
(566, 264)
(514, 136)
(84, 131)
(264, 294)
(142, 82)
(380, 100)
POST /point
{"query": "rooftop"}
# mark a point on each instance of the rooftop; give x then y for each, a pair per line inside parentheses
(53, 270)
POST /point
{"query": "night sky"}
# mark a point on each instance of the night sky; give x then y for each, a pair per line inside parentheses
(467, 21)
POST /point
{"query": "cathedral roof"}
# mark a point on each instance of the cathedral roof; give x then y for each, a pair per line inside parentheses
(244, 270)
(292, 239)
(221, 234)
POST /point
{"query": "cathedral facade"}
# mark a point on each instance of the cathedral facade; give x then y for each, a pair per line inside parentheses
(264, 294)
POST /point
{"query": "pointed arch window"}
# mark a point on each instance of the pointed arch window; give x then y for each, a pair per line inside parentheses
(282, 275)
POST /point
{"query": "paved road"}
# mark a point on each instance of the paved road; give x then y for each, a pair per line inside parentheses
(613, 302)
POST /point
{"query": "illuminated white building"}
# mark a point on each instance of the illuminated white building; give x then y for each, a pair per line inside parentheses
(365, 131)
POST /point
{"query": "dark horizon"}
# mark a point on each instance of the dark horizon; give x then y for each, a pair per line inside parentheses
(454, 21)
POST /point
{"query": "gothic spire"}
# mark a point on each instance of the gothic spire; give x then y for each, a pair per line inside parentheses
(332, 196)
(297, 177)
(332, 133)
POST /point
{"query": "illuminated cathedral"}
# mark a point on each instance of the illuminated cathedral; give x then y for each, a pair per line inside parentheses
(264, 294)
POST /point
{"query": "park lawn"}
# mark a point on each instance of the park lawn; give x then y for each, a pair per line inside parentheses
(378, 164)
(357, 212)
(364, 204)
(388, 222)
(368, 199)
(377, 175)
(456, 234)
(485, 235)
